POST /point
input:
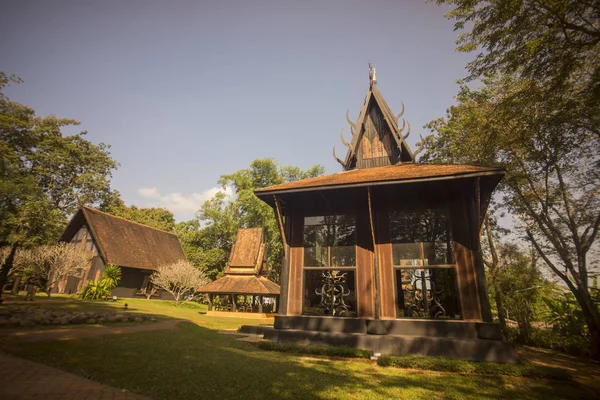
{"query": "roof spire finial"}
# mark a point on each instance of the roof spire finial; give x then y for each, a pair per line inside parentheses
(372, 74)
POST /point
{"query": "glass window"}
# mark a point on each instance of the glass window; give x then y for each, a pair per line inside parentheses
(329, 260)
(424, 239)
(421, 238)
(427, 293)
(329, 241)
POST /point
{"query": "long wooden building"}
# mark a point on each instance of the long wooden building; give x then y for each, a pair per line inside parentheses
(385, 254)
(138, 249)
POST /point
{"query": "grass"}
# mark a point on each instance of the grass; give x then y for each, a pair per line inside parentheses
(329, 351)
(193, 361)
(469, 367)
(161, 309)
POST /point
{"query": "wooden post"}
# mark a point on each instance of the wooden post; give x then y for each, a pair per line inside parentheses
(285, 264)
(233, 307)
(260, 300)
(375, 267)
(210, 302)
(474, 220)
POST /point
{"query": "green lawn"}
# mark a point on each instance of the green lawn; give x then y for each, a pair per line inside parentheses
(161, 309)
(193, 361)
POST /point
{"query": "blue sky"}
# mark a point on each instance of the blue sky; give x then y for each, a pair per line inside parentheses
(185, 91)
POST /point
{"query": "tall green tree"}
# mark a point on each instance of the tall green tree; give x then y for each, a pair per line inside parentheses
(207, 241)
(44, 175)
(250, 212)
(156, 217)
(552, 182)
(556, 42)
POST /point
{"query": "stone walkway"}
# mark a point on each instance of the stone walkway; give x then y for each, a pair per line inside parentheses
(23, 380)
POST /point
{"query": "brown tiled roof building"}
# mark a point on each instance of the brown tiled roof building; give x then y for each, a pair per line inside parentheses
(138, 249)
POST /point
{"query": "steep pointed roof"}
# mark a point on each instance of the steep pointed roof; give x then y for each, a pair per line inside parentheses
(247, 264)
(248, 256)
(377, 140)
(126, 243)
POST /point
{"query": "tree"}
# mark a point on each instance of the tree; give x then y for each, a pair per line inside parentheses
(207, 241)
(250, 212)
(519, 282)
(556, 42)
(44, 175)
(552, 182)
(208, 246)
(181, 279)
(156, 217)
(57, 262)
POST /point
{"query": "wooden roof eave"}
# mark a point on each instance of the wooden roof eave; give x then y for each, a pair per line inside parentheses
(359, 129)
(92, 231)
(267, 195)
(81, 213)
(390, 119)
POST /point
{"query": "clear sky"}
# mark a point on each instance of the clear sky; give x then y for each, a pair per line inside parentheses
(185, 91)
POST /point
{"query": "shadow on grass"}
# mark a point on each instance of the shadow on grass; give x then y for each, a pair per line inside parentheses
(192, 362)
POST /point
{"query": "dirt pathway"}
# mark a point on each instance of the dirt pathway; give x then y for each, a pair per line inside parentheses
(80, 332)
(583, 370)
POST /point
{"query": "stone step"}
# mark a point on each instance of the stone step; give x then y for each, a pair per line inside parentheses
(468, 349)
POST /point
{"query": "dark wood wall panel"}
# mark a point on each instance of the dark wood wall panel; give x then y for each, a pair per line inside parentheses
(294, 305)
(376, 130)
(465, 261)
(385, 265)
(365, 290)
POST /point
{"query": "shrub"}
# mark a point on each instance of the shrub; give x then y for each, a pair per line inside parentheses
(316, 350)
(470, 367)
(553, 339)
(101, 289)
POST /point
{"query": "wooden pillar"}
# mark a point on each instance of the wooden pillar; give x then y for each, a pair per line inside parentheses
(210, 297)
(285, 231)
(260, 300)
(474, 220)
(233, 307)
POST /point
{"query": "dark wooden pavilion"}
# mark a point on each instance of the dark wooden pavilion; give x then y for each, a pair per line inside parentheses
(245, 287)
(138, 249)
(385, 255)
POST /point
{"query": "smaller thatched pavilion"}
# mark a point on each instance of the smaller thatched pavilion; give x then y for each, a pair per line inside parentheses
(245, 288)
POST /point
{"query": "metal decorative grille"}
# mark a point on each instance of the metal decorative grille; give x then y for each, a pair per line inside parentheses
(422, 294)
(332, 293)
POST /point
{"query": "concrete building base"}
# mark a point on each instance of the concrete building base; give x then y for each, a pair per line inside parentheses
(468, 340)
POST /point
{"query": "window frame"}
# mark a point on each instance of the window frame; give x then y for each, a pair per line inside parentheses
(423, 259)
(329, 266)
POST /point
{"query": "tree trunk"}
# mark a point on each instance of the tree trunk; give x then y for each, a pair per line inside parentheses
(591, 316)
(6, 267)
(595, 342)
(500, 307)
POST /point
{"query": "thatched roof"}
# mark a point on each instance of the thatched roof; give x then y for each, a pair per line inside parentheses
(126, 243)
(241, 285)
(248, 255)
(400, 173)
